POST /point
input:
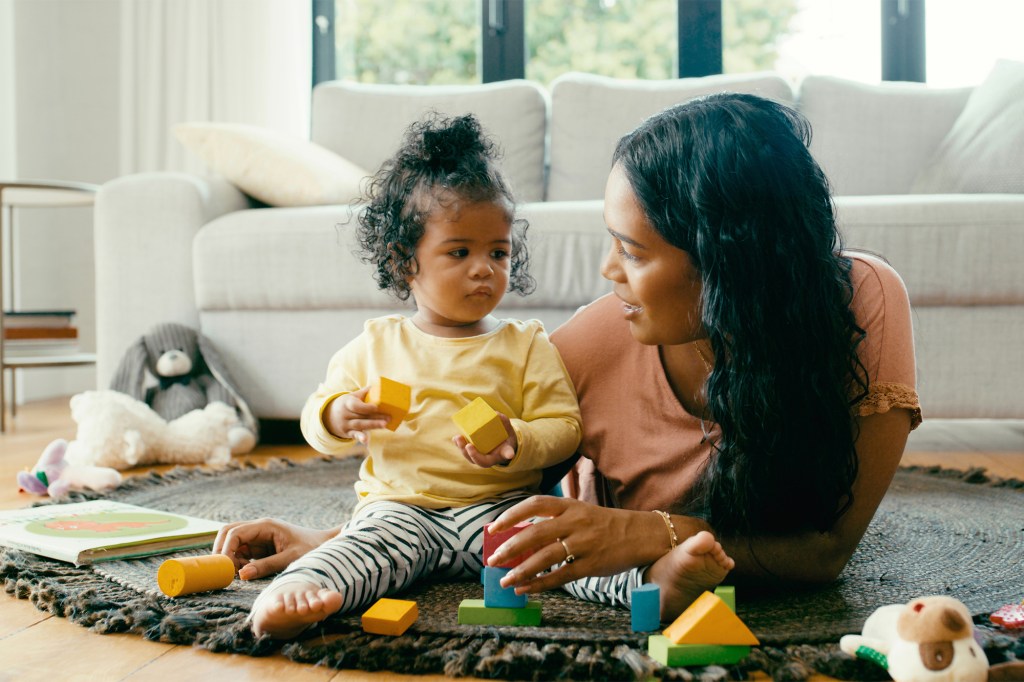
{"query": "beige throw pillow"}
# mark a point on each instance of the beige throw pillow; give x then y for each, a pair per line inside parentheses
(277, 169)
(984, 150)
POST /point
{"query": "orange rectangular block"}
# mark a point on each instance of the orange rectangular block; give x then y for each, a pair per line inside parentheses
(391, 397)
(709, 620)
(390, 617)
(481, 425)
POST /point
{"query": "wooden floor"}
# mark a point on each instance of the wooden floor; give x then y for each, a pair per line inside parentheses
(37, 646)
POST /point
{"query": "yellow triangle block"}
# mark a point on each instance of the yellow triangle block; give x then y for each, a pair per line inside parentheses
(709, 620)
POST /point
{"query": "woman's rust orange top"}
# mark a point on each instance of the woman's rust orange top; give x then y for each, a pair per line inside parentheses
(642, 450)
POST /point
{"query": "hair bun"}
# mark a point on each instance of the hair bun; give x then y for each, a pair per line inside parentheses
(447, 143)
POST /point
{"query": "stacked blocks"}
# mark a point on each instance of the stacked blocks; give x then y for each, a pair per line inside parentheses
(500, 605)
(481, 425)
(707, 633)
(392, 398)
(645, 608)
(390, 617)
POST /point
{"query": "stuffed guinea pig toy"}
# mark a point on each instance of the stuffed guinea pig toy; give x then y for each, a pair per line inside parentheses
(927, 639)
(174, 369)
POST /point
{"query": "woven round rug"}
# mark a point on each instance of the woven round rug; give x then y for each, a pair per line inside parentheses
(935, 533)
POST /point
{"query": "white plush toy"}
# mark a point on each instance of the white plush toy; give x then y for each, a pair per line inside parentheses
(930, 639)
(116, 430)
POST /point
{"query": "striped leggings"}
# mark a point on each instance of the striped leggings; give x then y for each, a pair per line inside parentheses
(388, 546)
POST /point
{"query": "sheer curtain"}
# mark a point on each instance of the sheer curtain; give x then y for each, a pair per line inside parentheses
(234, 61)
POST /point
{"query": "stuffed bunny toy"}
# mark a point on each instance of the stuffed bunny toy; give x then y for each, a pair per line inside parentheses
(174, 369)
(54, 476)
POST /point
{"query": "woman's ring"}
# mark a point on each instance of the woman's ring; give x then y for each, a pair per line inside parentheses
(569, 556)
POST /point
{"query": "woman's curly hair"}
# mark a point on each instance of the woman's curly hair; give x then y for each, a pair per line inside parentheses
(729, 179)
(442, 160)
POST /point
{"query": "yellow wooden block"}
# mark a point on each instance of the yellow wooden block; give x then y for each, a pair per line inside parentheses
(709, 620)
(392, 398)
(390, 617)
(481, 425)
(186, 575)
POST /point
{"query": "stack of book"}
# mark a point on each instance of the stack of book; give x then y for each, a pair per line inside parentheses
(40, 332)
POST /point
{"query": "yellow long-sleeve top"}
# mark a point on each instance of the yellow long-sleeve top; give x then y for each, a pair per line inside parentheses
(515, 368)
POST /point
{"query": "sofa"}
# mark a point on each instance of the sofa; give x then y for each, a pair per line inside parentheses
(278, 289)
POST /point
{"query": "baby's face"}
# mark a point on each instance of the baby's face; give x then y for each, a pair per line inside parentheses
(463, 267)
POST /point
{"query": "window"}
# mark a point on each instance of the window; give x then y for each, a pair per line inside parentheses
(966, 38)
(470, 41)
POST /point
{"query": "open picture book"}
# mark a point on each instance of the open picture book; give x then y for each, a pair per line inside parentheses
(102, 530)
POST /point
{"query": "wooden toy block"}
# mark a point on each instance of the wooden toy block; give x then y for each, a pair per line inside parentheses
(661, 649)
(496, 596)
(195, 574)
(492, 541)
(473, 612)
(645, 608)
(390, 617)
(481, 425)
(392, 398)
(727, 593)
(708, 620)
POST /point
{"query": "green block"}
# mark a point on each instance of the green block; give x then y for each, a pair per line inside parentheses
(473, 612)
(727, 593)
(661, 649)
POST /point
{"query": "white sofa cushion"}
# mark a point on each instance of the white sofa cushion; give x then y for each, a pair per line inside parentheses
(304, 259)
(364, 123)
(984, 151)
(277, 169)
(874, 139)
(590, 113)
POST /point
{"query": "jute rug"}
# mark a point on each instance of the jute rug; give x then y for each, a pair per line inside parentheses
(936, 532)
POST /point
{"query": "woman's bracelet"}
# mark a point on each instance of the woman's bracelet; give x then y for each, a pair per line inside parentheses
(673, 538)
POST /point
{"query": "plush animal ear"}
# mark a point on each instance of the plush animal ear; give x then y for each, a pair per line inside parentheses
(219, 372)
(130, 376)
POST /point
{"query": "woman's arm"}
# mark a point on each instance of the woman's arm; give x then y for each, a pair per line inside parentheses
(607, 541)
(820, 557)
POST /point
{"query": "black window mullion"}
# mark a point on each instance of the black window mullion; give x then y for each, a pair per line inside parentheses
(903, 40)
(323, 41)
(503, 51)
(700, 37)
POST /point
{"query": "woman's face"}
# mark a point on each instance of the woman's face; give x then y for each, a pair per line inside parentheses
(658, 285)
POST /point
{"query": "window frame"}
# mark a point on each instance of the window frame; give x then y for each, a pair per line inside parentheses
(503, 31)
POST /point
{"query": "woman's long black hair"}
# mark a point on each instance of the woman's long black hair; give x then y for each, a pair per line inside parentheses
(729, 179)
(441, 160)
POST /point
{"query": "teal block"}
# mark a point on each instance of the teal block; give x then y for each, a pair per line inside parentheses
(661, 649)
(496, 596)
(473, 612)
(645, 608)
(727, 593)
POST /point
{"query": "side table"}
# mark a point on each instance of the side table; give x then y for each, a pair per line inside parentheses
(18, 194)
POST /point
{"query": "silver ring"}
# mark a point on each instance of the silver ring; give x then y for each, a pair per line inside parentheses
(569, 556)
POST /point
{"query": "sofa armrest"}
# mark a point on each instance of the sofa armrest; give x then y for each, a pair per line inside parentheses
(144, 226)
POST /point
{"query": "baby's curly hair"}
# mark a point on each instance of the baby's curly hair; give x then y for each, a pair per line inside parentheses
(441, 160)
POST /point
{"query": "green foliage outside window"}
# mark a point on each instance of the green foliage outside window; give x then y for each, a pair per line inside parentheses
(438, 41)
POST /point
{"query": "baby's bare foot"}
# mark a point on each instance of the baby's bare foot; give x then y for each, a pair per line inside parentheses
(697, 565)
(284, 612)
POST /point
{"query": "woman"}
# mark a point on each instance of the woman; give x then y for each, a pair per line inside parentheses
(750, 379)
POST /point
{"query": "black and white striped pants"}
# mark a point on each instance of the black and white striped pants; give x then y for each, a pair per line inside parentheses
(388, 546)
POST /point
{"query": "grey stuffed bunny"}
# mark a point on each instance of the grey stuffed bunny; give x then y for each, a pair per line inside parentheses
(174, 369)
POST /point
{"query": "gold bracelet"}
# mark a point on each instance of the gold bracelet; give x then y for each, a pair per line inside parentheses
(671, 528)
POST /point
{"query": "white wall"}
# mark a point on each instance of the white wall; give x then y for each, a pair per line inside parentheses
(65, 113)
(7, 169)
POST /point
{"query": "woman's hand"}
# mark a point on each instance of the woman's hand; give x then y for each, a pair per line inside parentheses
(349, 416)
(503, 453)
(601, 541)
(268, 546)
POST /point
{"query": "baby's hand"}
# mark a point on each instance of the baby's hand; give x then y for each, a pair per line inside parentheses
(348, 416)
(502, 454)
